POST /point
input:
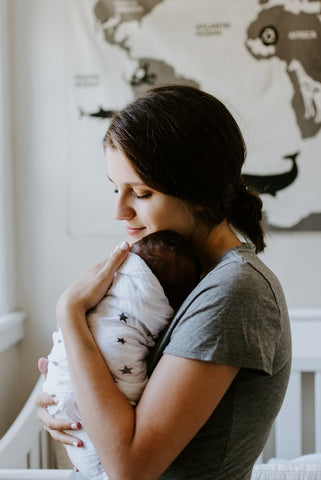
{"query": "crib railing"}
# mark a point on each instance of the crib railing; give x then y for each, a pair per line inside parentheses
(297, 430)
(22, 474)
(26, 444)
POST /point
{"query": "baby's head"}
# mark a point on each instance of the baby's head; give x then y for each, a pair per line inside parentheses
(173, 260)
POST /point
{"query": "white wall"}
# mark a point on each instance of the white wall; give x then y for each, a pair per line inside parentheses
(47, 258)
(296, 260)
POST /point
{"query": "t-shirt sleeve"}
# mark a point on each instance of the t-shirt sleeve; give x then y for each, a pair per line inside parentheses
(233, 320)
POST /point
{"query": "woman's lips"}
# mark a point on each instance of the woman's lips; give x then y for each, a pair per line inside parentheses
(134, 231)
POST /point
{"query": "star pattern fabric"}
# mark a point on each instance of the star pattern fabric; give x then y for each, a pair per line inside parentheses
(126, 370)
(125, 325)
(123, 317)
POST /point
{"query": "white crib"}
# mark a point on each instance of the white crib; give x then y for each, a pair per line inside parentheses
(26, 450)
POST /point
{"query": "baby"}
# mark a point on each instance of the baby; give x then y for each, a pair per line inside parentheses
(159, 273)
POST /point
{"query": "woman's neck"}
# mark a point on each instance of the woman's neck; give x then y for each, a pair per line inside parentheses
(211, 245)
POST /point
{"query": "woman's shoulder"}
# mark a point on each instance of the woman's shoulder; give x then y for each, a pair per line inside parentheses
(237, 302)
(240, 270)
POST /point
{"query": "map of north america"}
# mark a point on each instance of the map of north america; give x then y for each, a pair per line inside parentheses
(112, 14)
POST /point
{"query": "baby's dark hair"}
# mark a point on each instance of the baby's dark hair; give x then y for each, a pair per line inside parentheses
(173, 260)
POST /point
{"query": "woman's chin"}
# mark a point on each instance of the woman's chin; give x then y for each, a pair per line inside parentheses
(135, 234)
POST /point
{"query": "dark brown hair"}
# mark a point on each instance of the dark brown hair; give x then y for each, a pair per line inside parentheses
(173, 260)
(184, 142)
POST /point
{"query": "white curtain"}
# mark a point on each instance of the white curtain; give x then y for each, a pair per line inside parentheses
(7, 260)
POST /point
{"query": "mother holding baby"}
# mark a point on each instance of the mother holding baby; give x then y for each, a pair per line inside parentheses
(219, 374)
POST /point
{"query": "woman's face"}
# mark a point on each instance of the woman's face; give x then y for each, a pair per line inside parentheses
(143, 209)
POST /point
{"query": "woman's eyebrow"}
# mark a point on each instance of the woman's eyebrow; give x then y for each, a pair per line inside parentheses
(129, 183)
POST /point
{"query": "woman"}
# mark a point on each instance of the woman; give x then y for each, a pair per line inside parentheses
(219, 374)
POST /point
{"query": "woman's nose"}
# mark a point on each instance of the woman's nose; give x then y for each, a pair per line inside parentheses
(123, 211)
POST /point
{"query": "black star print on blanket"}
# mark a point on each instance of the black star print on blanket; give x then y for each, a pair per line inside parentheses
(126, 370)
(123, 317)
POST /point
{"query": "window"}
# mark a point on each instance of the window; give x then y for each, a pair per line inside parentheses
(10, 320)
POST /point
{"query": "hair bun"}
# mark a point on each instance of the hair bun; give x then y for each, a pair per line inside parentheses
(246, 215)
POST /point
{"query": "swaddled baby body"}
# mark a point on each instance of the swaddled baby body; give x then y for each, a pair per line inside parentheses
(159, 273)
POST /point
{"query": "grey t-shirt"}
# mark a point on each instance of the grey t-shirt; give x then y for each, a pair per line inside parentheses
(237, 315)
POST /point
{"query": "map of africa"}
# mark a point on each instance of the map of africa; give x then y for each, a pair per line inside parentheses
(261, 58)
(295, 39)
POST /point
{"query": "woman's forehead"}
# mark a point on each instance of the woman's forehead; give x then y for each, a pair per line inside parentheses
(119, 168)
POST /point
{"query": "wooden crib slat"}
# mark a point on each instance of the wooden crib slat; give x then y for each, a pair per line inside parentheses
(288, 427)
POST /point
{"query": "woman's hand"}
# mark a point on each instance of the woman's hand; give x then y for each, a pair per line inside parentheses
(81, 296)
(92, 285)
(52, 425)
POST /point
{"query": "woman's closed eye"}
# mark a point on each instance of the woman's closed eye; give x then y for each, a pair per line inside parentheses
(138, 196)
(142, 196)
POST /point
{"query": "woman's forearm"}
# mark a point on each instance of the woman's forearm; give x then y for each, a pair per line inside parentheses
(139, 444)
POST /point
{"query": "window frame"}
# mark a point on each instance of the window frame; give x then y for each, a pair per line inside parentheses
(11, 320)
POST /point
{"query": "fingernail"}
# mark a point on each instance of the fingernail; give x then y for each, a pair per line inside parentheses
(124, 246)
(75, 426)
(79, 443)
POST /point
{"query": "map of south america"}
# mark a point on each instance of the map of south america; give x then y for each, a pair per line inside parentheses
(294, 38)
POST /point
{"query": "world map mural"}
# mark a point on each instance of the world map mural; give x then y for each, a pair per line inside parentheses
(261, 58)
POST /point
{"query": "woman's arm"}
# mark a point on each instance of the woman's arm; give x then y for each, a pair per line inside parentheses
(141, 443)
(180, 396)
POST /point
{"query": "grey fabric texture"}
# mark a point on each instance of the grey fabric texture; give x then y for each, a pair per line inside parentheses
(237, 315)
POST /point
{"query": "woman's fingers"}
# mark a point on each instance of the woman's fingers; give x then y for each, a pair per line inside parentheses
(53, 423)
(42, 400)
(56, 427)
(88, 290)
(92, 285)
(63, 437)
(112, 264)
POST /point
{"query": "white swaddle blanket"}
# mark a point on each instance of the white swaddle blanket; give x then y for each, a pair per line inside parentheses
(125, 325)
